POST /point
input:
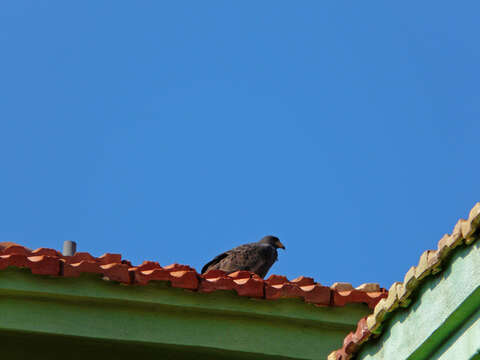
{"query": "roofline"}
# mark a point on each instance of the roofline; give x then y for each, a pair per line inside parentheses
(111, 267)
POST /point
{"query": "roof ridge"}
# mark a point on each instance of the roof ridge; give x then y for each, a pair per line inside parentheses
(464, 232)
(112, 267)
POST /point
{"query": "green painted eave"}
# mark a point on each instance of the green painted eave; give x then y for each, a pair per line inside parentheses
(157, 319)
(443, 320)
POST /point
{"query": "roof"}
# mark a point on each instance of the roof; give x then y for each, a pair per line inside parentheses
(464, 233)
(112, 267)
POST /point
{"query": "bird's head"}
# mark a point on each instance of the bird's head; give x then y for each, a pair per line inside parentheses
(273, 241)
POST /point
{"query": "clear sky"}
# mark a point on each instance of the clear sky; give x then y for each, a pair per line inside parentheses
(172, 131)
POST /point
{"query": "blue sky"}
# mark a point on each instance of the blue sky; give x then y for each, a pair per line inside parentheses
(173, 132)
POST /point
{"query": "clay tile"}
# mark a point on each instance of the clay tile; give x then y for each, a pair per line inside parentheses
(148, 265)
(379, 311)
(434, 261)
(241, 281)
(36, 258)
(109, 266)
(409, 280)
(474, 212)
(341, 298)
(317, 295)
(403, 295)
(110, 259)
(17, 260)
(372, 324)
(302, 280)
(353, 341)
(343, 355)
(220, 282)
(307, 288)
(177, 267)
(44, 265)
(4, 261)
(276, 280)
(349, 344)
(392, 301)
(186, 279)
(362, 333)
(214, 274)
(252, 287)
(376, 297)
(178, 274)
(369, 287)
(422, 270)
(48, 252)
(470, 226)
(144, 272)
(442, 247)
(116, 272)
(79, 256)
(113, 271)
(273, 292)
(342, 286)
(83, 266)
(332, 356)
(474, 215)
(16, 250)
(6, 244)
(456, 237)
(240, 275)
(143, 277)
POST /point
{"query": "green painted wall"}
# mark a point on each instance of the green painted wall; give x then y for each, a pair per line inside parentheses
(100, 318)
(464, 342)
(442, 321)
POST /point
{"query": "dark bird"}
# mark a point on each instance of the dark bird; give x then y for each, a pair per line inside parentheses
(256, 257)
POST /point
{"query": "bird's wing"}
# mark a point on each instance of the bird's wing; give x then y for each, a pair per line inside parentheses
(231, 260)
(251, 257)
(215, 261)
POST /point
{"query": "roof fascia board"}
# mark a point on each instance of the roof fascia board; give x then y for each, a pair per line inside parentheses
(88, 288)
(158, 313)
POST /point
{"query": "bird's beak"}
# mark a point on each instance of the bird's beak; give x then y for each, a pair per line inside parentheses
(280, 245)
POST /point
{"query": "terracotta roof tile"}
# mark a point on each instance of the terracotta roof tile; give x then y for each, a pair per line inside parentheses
(302, 281)
(340, 298)
(113, 271)
(41, 264)
(110, 258)
(370, 287)
(276, 280)
(243, 282)
(79, 256)
(113, 267)
(310, 292)
(186, 279)
(16, 250)
(430, 262)
(6, 244)
(342, 286)
(48, 252)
